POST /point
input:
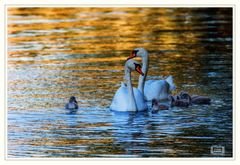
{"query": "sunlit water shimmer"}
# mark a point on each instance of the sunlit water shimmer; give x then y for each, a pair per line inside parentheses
(54, 53)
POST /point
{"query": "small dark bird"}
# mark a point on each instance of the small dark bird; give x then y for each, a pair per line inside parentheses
(72, 104)
(157, 105)
(195, 99)
(179, 102)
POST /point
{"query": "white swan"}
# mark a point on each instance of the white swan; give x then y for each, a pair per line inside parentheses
(152, 89)
(128, 98)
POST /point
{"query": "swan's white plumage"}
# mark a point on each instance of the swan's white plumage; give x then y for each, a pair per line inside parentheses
(153, 89)
(169, 79)
(158, 89)
(121, 103)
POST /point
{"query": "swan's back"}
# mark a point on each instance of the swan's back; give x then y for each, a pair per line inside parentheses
(158, 89)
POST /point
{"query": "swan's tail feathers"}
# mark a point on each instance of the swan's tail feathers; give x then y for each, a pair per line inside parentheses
(169, 79)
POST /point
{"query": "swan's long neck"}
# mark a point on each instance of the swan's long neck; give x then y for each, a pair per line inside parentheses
(132, 102)
(141, 80)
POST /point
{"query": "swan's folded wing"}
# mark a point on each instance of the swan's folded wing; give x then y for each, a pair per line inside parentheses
(157, 89)
(140, 101)
(120, 100)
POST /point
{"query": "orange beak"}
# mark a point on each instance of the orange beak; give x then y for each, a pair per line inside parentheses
(139, 70)
(133, 54)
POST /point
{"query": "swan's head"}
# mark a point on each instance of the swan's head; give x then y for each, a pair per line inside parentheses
(134, 65)
(138, 52)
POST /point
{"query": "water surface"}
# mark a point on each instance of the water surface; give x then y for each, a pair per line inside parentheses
(54, 53)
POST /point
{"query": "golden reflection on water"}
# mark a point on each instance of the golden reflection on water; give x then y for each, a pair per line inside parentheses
(83, 35)
(38, 32)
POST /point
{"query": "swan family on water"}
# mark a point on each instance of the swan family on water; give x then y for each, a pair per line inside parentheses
(130, 99)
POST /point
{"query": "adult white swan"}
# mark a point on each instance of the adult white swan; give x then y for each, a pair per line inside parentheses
(152, 89)
(128, 98)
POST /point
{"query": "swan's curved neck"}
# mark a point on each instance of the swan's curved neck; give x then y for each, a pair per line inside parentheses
(141, 80)
(132, 103)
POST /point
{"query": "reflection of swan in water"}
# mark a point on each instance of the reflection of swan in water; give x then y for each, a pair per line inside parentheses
(128, 98)
(137, 133)
(130, 131)
(152, 89)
